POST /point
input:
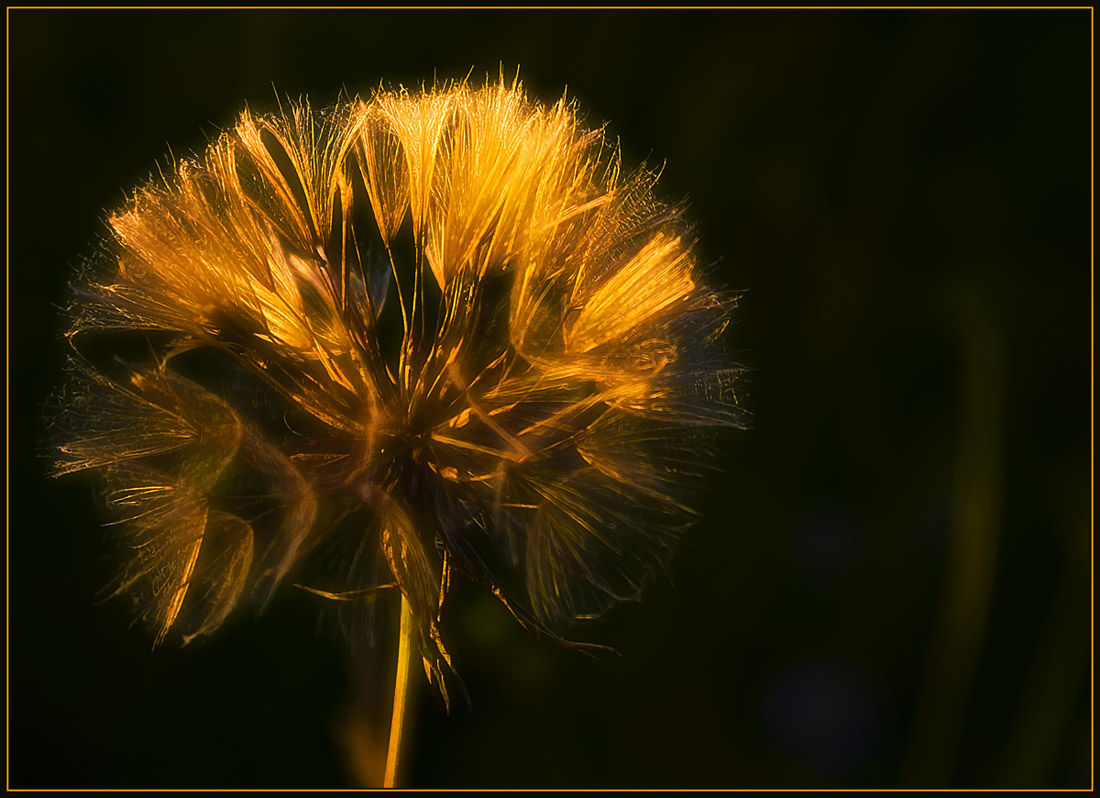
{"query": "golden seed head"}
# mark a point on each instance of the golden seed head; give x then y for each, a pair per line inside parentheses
(410, 336)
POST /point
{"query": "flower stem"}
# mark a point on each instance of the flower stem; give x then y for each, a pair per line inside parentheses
(400, 694)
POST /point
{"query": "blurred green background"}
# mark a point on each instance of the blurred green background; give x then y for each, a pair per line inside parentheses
(892, 583)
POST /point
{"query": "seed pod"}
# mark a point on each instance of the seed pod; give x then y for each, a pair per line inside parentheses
(408, 338)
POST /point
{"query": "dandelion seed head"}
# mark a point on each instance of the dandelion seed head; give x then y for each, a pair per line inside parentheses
(388, 344)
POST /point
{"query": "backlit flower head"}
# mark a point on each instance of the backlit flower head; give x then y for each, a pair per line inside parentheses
(406, 339)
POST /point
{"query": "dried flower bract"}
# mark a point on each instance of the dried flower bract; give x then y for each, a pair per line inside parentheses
(408, 338)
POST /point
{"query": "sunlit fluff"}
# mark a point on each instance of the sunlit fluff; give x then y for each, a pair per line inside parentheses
(407, 338)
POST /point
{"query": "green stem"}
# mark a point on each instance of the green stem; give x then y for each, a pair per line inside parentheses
(400, 694)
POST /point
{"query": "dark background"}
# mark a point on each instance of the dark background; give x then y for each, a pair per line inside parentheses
(892, 583)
